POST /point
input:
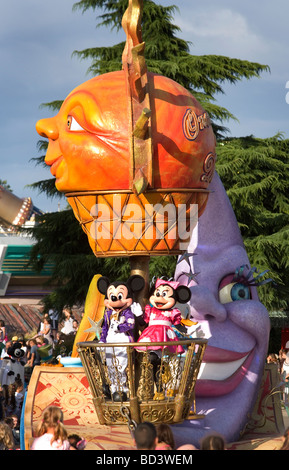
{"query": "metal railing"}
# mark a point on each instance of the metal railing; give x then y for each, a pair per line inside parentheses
(129, 384)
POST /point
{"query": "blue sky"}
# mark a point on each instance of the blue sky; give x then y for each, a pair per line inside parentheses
(37, 40)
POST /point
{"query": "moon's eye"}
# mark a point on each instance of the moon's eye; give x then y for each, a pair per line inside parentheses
(232, 291)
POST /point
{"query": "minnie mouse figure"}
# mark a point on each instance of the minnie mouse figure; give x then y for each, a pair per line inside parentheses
(118, 327)
(161, 316)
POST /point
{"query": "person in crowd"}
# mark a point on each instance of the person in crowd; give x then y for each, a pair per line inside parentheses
(16, 436)
(41, 341)
(187, 447)
(213, 442)
(281, 357)
(76, 442)
(285, 445)
(68, 322)
(23, 346)
(75, 326)
(285, 376)
(2, 403)
(165, 437)
(15, 421)
(9, 393)
(145, 436)
(272, 359)
(52, 434)
(34, 358)
(41, 324)
(6, 437)
(3, 336)
(53, 315)
(4, 352)
(46, 331)
(19, 397)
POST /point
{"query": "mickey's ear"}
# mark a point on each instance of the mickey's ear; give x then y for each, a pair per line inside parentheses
(102, 284)
(136, 283)
(183, 294)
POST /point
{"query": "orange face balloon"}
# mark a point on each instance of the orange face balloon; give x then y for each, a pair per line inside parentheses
(89, 139)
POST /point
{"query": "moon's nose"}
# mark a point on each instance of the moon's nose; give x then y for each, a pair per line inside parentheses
(204, 305)
(47, 128)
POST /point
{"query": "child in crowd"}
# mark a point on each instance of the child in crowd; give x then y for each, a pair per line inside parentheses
(145, 436)
(165, 437)
(76, 442)
(213, 442)
(52, 435)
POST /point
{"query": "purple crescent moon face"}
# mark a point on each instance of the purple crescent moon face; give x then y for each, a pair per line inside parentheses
(230, 316)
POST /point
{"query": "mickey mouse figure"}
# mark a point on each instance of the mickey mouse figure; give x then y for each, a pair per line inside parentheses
(160, 316)
(13, 367)
(118, 327)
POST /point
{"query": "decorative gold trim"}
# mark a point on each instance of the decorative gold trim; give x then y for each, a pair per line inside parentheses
(139, 109)
(178, 373)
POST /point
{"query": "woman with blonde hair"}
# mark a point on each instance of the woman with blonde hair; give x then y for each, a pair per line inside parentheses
(52, 434)
(6, 437)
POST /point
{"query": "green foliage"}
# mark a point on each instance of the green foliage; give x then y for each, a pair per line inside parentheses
(53, 105)
(168, 55)
(5, 185)
(162, 266)
(47, 187)
(255, 175)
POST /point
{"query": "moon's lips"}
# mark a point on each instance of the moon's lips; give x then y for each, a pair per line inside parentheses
(222, 371)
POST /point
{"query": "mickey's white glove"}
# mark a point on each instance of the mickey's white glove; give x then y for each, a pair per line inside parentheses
(136, 309)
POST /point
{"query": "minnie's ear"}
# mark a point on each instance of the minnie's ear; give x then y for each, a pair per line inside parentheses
(136, 283)
(183, 294)
(102, 284)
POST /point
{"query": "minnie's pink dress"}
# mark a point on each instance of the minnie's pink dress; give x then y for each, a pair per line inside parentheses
(160, 328)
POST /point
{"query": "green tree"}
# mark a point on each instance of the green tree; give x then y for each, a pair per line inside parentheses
(5, 185)
(165, 54)
(255, 175)
(168, 55)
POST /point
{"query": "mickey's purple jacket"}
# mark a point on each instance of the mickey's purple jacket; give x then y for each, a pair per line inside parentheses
(126, 327)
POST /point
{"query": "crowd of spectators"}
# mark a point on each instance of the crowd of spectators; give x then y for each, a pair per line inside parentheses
(47, 343)
(52, 338)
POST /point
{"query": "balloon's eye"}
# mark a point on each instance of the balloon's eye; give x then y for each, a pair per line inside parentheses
(73, 125)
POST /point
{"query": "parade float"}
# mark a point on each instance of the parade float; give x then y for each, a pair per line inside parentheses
(134, 153)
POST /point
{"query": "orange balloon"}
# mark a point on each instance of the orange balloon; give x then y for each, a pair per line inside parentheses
(89, 139)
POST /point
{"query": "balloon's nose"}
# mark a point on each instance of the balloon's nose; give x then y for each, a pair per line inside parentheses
(47, 128)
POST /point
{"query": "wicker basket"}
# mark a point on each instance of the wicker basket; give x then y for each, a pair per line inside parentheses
(127, 224)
